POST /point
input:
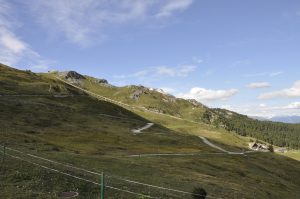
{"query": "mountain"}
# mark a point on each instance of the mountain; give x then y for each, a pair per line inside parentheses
(62, 130)
(287, 119)
(140, 97)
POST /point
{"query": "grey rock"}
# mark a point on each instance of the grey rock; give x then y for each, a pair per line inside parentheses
(101, 81)
(74, 75)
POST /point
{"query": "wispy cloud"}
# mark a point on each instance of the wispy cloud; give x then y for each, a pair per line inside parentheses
(263, 110)
(294, 91)
(208, 95)
(84, 22)
(161, 71)
(293, 105)
(197, 60)
(256, 85)
(172, 6)
(270, 74)
(14, 50)
(240, 63)
(208, 73)
(273, 74)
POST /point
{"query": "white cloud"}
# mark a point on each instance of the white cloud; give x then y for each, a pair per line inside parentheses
(274, 74)
(172, 6)
(262, 105)
(294, 105)
(294, 91)
(161, 71)
(13, 49)
(206, 95)
(263, 110)
(228, 107)
(270, 74)
(10, 42)
(197, 60)
(165, 71)
(164, 90)
(240, 63)
(259, 85)
(168, 90)
(83, 22)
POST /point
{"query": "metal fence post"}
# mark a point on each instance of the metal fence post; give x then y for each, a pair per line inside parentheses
(3, 157)
(102, 186)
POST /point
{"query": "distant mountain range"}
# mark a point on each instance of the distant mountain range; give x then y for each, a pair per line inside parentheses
(284, 119)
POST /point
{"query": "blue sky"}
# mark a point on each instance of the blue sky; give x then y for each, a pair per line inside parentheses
(240, 55)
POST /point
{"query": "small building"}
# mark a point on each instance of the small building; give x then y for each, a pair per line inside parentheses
(280, 150)
(258, 147)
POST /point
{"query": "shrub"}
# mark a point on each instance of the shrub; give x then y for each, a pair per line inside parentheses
(271, 148)
(199, 193)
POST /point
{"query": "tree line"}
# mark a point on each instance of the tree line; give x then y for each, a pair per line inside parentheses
(276, 133)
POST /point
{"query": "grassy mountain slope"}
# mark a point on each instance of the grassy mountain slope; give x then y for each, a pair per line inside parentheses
(139, 96)
(43, 116)
(280, 134)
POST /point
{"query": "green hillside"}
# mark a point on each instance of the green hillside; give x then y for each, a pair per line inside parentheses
(280, 134)
(43, 116)
(138, 96)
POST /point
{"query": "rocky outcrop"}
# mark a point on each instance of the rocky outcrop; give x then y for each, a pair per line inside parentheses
(101, 81)
(139, 92)
(195, 103)
(74, 75)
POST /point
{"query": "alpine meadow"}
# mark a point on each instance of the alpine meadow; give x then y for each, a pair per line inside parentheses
(149, 99)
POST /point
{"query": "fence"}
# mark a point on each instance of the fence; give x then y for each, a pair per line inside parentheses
(91, 184)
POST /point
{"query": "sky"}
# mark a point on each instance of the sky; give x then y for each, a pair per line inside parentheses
(239, 55)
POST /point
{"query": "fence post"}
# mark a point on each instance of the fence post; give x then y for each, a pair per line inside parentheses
(102, 186)
(3, 157)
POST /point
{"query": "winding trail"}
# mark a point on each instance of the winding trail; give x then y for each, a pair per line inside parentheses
(223, 151)
(219, 148)
(139, 130)
(173, 154)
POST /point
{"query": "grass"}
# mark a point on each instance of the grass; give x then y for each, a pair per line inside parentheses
(295, 154)
(73, 130)
(150, 99)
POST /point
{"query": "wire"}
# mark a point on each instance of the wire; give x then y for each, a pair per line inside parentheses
(66, 165)
(29, 95)
(158, 187)
(125, 118)
(54, 170)
(82, 179)
(99, 174)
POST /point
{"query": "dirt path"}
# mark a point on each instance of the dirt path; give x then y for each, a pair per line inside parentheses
(219, 148)
(135, 131)
(139, 130)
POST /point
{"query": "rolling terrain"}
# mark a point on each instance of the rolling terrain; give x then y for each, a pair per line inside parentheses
(62, 133)
(157, 101)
